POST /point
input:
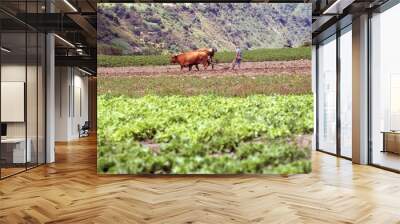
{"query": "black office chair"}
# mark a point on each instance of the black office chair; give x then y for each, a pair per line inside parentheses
(84, 130)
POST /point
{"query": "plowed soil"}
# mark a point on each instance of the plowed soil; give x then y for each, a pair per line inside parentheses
(221, 69)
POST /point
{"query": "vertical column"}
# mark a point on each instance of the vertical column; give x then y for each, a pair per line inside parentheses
(338, 77)
(71, 106)
(92, 101)
(360, 90)
(62, 103)
(314, 90)
(50, 92)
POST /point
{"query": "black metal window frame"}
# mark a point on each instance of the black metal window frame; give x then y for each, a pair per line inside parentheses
(381, 9)
(44, 101)
(387, 5)
(339, 32)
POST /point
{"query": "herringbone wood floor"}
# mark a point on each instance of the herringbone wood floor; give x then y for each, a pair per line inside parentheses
(70, 191)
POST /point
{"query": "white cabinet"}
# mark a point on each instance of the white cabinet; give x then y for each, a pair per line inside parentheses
(19, 155)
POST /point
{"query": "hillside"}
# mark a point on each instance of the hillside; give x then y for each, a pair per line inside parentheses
(144, 29)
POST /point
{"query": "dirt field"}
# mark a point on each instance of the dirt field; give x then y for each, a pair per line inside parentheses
(247, 68)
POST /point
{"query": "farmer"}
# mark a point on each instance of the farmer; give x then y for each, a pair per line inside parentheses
(238, 58)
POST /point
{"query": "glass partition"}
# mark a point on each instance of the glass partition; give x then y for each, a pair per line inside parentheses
(13, 94)
(346, 92)
(327, 95)
(22, 88)
(31, 99)
(34, 51)
(385, 89)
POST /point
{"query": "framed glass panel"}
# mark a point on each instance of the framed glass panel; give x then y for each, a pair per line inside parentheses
(32, 86)
(14, 153)
(22, 78)
(346, 92)
(31, 98)
(327, 95)
(385, 89)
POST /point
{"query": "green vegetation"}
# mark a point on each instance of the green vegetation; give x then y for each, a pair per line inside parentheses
(137, 86)
(137, 60)
(203, 134)
(281, 54)
(278, 54)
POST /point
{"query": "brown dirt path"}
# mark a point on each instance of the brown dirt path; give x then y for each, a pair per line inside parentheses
(247, 68)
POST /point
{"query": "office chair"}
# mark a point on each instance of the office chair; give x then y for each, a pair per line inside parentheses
(84, 130)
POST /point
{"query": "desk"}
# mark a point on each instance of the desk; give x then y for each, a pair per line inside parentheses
(391, 141)
(15, 148)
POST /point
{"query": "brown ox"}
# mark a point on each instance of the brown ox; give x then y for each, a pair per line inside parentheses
(210, 52)
(188, 59)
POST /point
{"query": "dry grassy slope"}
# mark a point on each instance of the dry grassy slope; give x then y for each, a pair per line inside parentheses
(165, 28)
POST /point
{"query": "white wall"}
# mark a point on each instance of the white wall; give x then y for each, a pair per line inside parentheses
(10, 73)
(62, 82)
(80, 84)
(33, 126)
(70, 83)
(13, 72)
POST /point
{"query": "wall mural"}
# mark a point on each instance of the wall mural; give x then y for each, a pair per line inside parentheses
(198, 88)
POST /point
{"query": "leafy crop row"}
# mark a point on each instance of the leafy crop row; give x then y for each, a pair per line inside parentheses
(203, 134)
(280, 54)
(138, 86)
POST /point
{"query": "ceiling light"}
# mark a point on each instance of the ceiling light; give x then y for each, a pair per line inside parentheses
(5, 50)
(86, 72)
(338, 6)
(65, 41)
(79, 51)
(333, 6)
(70, 5)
